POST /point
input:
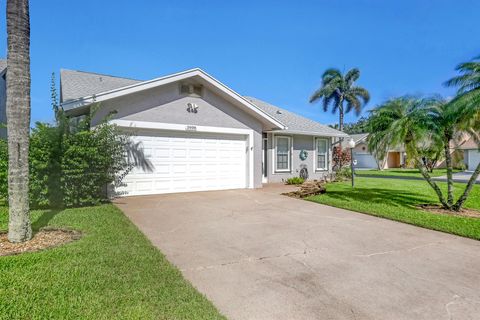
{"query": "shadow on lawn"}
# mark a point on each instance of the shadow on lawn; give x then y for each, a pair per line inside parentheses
(44, 219)
(395, 198)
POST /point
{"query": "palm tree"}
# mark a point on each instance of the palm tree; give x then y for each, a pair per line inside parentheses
(469, 78)
(468, 102)
(403, 122)
(338, 88)
(18, 118)
(421, 125)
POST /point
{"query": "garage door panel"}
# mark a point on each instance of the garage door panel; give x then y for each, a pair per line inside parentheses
(189, 162)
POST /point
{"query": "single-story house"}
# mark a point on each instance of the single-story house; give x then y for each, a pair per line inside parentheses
(200, 134)
(3, 98)
(396, 158)
(471, 154)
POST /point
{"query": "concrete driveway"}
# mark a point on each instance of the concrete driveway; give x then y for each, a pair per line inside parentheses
(460, 177)
(259, 255)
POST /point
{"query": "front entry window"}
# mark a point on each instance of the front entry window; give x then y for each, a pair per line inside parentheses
(282, 154)
(322, 154)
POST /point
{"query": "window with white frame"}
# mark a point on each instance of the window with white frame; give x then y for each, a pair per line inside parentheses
(282, 153)
(321, 154)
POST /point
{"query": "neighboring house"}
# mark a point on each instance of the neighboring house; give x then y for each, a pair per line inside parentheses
(469, 149)
(3, 98)
(199, 134)
(365, 160)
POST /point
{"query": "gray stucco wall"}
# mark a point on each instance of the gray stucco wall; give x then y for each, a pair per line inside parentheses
(299, 142)
(167, 105)
(3, 107)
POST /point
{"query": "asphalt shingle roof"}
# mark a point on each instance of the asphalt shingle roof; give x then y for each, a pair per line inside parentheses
(294, 122)
(3, 64)
(79, 84)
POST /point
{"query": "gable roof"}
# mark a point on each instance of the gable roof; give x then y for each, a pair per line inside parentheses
(84, 80)
(296, 124)
(77, 84)
(357, 137)
(3, 65)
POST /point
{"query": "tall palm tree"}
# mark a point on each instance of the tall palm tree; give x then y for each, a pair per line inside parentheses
(18, 118)
(337, 89)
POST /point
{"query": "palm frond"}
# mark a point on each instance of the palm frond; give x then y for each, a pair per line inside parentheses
(352, 75)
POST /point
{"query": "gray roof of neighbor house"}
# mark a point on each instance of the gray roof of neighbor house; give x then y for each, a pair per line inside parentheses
(357, 137)
(3, 65)
(294, 122)
(79, 84)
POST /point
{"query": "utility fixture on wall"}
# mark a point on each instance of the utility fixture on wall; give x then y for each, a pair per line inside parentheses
(192, 107)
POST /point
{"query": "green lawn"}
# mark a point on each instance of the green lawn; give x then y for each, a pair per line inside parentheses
(396, 200)
(401, 172)
(113, 272)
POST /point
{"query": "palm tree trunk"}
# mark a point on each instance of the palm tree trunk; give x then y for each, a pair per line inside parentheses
(458, 205)
(448, 164)
(18, 118)
(434, 186)
(340, 120)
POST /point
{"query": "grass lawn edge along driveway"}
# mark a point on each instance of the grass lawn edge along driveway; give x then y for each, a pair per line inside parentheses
(112, 272)
(397, 200)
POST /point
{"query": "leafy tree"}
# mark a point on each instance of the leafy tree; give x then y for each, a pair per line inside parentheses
(338, 89)
(18, 118)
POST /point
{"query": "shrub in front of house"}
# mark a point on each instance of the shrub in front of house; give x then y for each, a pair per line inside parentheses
(295, 180)
(343, 174)
(71, 168)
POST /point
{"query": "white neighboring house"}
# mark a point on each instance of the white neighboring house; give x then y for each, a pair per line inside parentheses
(199, 134)
(365, 160)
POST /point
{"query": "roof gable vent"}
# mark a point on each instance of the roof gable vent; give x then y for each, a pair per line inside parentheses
(191, 89)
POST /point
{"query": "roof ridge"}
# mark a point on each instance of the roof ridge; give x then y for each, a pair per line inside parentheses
(285, 110)
(99, 74)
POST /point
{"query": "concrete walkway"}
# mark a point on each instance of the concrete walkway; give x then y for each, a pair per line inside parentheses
(259, 255)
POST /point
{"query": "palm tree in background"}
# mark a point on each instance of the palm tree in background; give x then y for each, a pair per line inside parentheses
(18, 118)
(338, 89)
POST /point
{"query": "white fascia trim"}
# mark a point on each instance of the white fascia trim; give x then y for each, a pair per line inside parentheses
(308, 133)
(106, 95)
(132, 124)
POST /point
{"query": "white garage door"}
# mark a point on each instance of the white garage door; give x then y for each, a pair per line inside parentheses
(473, 159)
(185, 162)
(365, 160)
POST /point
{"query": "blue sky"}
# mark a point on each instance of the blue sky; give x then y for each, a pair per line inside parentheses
(273, 50)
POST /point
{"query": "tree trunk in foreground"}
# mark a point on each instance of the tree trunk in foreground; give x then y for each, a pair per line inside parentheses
(434, 186)
(458, 205)
(18, 118)
(448, 164)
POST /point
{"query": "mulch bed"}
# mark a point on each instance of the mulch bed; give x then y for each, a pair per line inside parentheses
(43, 239)
(471, 213)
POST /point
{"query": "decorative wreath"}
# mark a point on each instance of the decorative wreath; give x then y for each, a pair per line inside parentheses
(303, 155)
